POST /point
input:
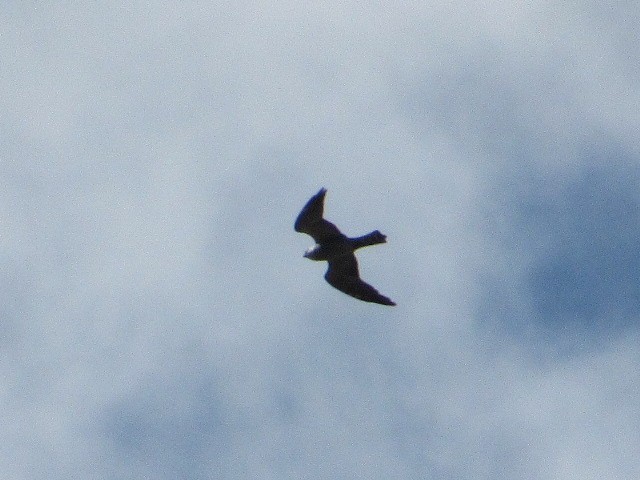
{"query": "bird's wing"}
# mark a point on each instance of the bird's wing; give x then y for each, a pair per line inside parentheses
(343, 275)
(310, 220)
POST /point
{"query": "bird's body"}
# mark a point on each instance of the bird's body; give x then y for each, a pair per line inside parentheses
(338, 249)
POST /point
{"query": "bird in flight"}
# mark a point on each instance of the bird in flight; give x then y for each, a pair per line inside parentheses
(337, 249)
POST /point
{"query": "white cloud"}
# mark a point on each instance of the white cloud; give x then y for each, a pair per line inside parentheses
(158, 319)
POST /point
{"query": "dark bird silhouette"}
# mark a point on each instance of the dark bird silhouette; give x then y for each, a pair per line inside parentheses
(337, 249)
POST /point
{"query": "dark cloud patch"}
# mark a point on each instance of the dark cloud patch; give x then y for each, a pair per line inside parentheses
(575, 250)
(592, 268)
(170, 428)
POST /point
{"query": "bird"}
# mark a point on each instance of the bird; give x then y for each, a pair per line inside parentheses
(338, 250)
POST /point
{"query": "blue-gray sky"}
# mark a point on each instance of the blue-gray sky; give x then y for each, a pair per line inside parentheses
(157, 319)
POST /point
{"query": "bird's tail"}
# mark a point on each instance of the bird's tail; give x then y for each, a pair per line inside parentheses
(372, 238)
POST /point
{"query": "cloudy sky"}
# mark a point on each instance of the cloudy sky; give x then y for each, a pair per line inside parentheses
(158, 321)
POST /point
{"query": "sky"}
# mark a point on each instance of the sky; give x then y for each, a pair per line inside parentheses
(158, 320)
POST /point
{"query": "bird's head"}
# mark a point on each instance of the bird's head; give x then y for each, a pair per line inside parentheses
(311, 252)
